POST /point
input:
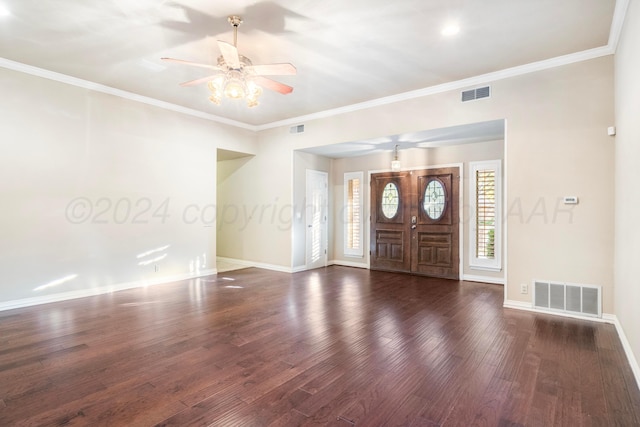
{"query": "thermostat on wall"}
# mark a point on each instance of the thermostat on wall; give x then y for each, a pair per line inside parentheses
(570, 200)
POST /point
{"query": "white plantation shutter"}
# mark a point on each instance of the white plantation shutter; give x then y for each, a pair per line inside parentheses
(485, 213)
(485, 203)
(354, 213)
(353, 218)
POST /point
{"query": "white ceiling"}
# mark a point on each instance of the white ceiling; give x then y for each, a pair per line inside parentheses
(346, 52)
(454, 135)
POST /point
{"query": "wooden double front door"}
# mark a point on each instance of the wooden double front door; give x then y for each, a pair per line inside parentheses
(415, 222)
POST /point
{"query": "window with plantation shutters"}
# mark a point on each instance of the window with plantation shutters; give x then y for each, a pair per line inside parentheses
(353, 213)
(485, 202)
(353, 219)
(485, 213)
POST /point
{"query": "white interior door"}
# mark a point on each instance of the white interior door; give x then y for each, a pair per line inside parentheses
(316, 218)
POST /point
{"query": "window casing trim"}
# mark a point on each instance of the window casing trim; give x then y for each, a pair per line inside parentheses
(475, 262)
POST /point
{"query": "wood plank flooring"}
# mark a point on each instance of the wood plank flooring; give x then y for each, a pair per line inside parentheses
(335, 346)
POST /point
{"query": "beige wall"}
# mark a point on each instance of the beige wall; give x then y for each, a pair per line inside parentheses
(410, 158)
(556, 145)
(230, 216)
(259, 216)
(91, 181)
(627, 178)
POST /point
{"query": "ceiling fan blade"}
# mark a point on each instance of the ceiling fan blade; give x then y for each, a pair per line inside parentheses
(284, 69)
(273, 85)
(197, 81)
(230, 54)
(194, 64)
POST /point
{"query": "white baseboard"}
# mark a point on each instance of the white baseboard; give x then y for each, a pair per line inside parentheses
(334, 262)
(349, 263)
(518, 305)
(272, 267)
(283, 269)
(606, 318)
(633, 361)
(526, 306)
(83, 293)
(483, 279)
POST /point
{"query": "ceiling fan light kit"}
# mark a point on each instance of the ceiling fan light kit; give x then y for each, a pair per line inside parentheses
(239, 78)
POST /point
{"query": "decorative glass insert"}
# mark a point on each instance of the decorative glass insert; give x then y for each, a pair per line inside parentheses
(434, 199)
(390, 200)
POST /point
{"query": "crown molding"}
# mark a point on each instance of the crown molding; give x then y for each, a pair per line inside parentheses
(86, 84)
(609, 49)
(617, 23)
(445, 87)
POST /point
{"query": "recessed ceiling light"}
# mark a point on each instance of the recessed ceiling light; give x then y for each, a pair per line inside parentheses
(450, 30)
(4, 11)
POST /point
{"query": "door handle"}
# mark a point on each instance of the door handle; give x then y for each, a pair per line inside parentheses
(413, 227)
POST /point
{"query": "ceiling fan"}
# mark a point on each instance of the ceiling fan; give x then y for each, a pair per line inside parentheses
(238, 78)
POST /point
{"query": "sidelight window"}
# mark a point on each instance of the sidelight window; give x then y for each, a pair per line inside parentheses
(485, 203)
(353, 218)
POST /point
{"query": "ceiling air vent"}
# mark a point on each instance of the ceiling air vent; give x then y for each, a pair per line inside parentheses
(296, 129)
(478, 93)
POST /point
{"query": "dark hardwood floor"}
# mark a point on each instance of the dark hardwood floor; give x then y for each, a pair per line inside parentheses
(335, 346)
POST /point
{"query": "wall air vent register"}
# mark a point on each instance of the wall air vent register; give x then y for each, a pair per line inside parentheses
(583, 300)
(478, 93)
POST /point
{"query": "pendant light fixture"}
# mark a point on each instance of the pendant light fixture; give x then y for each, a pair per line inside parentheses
(395, 163)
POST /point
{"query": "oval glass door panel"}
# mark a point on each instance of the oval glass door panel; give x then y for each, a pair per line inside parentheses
(390, 200)
(434, 199)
